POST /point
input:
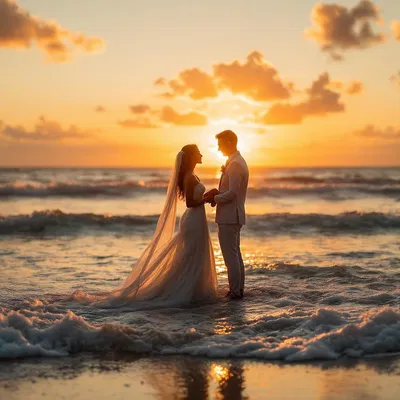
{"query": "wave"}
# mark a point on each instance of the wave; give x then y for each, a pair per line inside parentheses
(58, 222)
(327, 192)
(275, 188)
(355, 222)
(324, 334)
(104, 188)
(334, 180)
(68, 223)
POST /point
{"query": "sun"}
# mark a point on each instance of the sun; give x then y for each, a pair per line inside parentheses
(248, 141)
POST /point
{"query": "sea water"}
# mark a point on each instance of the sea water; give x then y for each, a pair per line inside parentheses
(321, 249)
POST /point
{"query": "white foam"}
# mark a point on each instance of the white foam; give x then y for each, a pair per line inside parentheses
(325, 334)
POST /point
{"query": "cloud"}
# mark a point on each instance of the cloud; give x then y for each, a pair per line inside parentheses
(140, 108)
(44, 130)
(321, 101)
(160, 82)
(100, 109)
(254, 78)
(143, 119)
(396, 29)
(370, 131)
(337, 28)
(152, 118)
(168, 114)
(192, 82)
(351, 88)
(396, 78)
(19, 29)
(142, 122)
(355, 87)
(283, 114)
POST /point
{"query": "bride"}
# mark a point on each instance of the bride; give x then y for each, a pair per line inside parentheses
(177, 267)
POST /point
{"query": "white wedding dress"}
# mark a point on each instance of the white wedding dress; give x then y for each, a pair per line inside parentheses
(177, 268)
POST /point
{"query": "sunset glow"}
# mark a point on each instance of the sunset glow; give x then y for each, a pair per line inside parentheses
(129, 86)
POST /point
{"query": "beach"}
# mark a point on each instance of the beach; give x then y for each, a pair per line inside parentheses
(193, 378)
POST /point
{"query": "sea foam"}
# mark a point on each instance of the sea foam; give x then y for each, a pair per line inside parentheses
(297, 336)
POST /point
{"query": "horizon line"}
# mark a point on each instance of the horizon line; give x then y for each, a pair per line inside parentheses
(200, 166)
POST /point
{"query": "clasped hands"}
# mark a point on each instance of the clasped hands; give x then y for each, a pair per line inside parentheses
(209, 197)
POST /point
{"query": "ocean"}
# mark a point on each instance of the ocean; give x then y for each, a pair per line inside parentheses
(321, 249)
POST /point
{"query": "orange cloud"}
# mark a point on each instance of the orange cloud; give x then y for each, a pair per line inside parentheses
(19, 29)
(168, 114)
(396, 78)
(355, 87)
(396, 29)
(351, 88)
(44, 130)
(255, 79)
(283, 114)
(337, 28)
(321, 100)
(370, 131)
(192, 82)
(142, 122)
(160, 82)
(100, 109)
(139, 108)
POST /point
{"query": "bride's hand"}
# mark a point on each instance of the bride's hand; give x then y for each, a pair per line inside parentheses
(211, 193)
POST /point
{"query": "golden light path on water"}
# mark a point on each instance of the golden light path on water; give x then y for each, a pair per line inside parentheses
(179, 378)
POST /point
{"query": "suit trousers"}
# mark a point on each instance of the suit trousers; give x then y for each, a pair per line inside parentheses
(229, 240)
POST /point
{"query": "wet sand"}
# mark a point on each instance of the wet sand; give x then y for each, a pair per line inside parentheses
(84, 377)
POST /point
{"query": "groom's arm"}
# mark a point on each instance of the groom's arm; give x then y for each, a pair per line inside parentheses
(235, 178)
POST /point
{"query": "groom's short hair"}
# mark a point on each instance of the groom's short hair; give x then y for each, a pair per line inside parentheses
(228, 135)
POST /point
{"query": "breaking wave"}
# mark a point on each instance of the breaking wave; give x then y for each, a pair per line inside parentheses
(67, 223)
(56, 221)
(106, 188)
(325, 334)
(275, 188)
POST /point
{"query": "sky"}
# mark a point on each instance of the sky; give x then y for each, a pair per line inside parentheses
(128, 83)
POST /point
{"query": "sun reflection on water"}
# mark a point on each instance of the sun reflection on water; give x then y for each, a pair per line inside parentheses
(223, 328)
(219, 373)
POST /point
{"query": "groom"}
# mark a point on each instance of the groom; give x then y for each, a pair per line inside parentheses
(230, 215)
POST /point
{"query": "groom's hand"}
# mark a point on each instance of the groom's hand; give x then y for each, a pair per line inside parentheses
(209, 196)
(211, 193)
(211, 201)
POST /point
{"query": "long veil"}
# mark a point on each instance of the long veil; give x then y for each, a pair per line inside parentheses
(163, 234)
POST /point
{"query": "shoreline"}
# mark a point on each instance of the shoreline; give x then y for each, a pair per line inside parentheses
(170, 377)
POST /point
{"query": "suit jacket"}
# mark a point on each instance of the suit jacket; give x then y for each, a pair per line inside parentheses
(233, 189)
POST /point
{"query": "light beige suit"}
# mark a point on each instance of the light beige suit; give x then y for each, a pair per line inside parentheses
(230, 216)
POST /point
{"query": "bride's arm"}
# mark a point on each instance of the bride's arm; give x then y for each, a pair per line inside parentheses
(190, 184)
